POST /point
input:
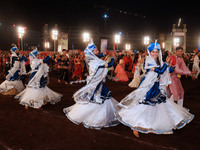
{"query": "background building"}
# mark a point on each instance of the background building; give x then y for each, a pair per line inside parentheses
(73, 36)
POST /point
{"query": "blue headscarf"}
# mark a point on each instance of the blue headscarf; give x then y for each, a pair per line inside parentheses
(153, 46)
(156, 46)
(90, 47)
(14, 48)
(34, 53)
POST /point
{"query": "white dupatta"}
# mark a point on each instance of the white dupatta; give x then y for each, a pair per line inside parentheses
(96, 75)
(42, 70)
(139, 94)
(16, 66)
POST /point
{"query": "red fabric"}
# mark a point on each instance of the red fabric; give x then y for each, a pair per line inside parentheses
(173, 58)
(127, 60)
(79, 51)
(78, 69)
(134, 68)
(130, 66)
(28, 61)
(44, 54)
(114, 46)
(120, 73)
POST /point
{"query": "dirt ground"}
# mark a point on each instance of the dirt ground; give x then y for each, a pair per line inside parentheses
(49, 129)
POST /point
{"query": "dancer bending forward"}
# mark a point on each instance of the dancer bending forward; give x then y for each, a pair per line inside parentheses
(94, 105)
(147, 109)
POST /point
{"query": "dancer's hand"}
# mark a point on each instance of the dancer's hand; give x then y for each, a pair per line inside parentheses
(106, 65)
(152, 69)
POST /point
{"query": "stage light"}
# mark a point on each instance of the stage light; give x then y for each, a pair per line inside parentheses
(146, 40)
(127, 46)
(86, 37)
(54, 37)
(105, 16)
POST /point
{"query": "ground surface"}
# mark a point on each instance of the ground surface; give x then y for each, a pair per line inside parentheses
(48, 128)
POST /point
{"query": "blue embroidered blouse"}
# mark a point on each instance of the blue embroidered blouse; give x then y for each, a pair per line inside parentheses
(154, 96)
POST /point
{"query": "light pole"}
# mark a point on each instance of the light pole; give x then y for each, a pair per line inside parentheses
(146, 41)
(21, 31)
(86, 37)
(54, 37)
(117, 39)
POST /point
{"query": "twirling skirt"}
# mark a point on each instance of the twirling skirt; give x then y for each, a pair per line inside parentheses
(36, 97)
(159, 119)
(8, 87)
(93, 115)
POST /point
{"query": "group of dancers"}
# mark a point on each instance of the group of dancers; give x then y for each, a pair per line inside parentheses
(36, 92)
(148, 109)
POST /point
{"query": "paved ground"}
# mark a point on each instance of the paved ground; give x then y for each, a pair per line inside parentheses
(48, 128)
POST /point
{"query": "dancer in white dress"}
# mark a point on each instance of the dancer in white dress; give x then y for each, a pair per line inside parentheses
(13, 83)
(94, 106)
(37, 93)
(196, 67)
(141, 61)
(147, 109)
(136, 78)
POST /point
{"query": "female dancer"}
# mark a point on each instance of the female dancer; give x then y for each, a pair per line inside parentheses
(120, 72)
(94, 105)
(37, 93)
(136, 70)
(196, 67)
(13, 83)
(78, 69)
(147, 109)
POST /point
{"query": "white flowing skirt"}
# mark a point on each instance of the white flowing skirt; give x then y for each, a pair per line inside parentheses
(93, 115)
(36, 97)
(135, 82)
(158, 119)
(7, 85)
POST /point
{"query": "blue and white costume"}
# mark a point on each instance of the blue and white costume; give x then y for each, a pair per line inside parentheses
(147, 109)
(37, 93)
(15, 74)
(94, 105)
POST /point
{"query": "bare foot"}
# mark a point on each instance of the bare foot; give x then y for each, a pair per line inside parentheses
(59, 81)
(136, 133)
(26, 107)
(66, 83)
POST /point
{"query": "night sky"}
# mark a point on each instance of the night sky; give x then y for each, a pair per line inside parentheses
(124, 14)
